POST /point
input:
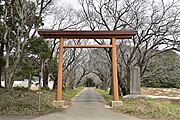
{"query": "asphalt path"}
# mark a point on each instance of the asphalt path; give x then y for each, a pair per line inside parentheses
(88, 105)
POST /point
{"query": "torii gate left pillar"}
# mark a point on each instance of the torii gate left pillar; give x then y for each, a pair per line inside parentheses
(122, 34)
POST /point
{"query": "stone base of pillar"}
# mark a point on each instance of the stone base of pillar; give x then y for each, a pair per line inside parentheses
(58, 104)
(116, 104)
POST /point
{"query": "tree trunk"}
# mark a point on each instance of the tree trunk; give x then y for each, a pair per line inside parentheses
(7, 70)
(9, 81)
(1, 62)
(45, 75)
(29, 82)
(128, 79)
(0, 80)
(111, 89)
(123, 85)
(55, 83)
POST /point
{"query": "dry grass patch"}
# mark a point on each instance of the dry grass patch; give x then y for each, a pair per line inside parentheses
(147, 108)
(151, 108)
(22, 102)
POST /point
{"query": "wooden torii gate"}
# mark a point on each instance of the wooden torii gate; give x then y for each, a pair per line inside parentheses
(121, 34)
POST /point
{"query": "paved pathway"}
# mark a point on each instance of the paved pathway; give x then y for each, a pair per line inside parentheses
(87, 106)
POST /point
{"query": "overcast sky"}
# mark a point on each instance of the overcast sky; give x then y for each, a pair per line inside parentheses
(74, 3)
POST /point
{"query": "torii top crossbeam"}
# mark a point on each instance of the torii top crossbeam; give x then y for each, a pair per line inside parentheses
(120, 34)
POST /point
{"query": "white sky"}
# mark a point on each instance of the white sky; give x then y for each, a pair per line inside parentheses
(74, 3)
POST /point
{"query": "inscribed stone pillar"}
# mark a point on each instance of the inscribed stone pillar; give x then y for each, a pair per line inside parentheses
(135, 81)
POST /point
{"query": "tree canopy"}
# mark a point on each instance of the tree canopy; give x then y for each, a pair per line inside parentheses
(23, 53)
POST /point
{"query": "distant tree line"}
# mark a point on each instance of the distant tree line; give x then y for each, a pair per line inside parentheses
(23, 54)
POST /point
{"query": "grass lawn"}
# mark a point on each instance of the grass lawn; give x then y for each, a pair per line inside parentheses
(22, 102)
(147, 108)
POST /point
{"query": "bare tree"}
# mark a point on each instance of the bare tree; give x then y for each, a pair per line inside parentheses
(64, 17)
(155, 31)
(73, 60)
(99, 65)
(156, 22)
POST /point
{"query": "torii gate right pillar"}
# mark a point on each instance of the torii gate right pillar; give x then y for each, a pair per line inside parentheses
(116, 102)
